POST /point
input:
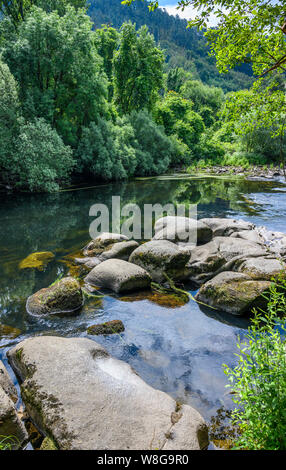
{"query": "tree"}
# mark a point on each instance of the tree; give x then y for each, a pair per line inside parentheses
(107, 40)
(175, 113)
(138, 70)
(17, 10)
(251, 31)
(106, 150)
(59, 71)
(41, 160)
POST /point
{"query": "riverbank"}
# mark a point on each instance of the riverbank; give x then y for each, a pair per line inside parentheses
(251, 171)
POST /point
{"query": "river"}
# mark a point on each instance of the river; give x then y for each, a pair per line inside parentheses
(179, 350)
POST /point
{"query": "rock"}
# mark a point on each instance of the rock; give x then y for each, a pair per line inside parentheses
(250, 235)
(275, 241)
(159, 257)
(84, 399)
(7, 384)
(89, 262)
(12, 430)
(225, 227)
(118, 276)
(182, 229)
(63, 297)
(221, 254)
(37, 260)
(8, 332)
(262, 268)
(102, 242)
(48, 444)
(235, 293)
(108, 328)
(120, 250)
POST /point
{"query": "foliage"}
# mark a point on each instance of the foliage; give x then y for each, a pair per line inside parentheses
(55, 62)
(138, 70)
(176, 115)
(41, 160)
(106, 150)
(7, 442)
(258, 382)
(154, 150)
(9, 109)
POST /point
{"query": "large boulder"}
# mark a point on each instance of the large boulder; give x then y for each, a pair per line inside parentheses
(84, 399)
(159, 257)
(221, 254)
(118, 276)
(226, 227)
(12, 430)
(235, 293)
(121, 250)
(182, 230)
(63, 297)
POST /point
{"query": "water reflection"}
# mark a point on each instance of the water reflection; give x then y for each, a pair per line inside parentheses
(179, 350)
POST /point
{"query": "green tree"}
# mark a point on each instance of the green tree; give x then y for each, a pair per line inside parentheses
(107, 40)
(9, 111)
(106, 150)
(138, 70)
(59, 71)
(41, 160)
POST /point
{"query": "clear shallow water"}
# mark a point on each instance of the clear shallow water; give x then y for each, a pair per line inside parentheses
(178, 350)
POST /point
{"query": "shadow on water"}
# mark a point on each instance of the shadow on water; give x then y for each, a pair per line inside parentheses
(179, 350)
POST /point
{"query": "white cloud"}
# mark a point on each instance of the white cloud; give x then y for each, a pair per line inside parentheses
(188, 13)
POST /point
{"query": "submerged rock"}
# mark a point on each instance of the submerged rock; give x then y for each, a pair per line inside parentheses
(84, 399)
(182, 229)
(159, 257)
(37, 260)
(118, 276)
(8, 332)
(12, 430)
(63, 297)
(107, 328)
(235, 293)
(7, 384)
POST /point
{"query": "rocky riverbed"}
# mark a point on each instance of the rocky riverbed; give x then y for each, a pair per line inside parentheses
(80, 397)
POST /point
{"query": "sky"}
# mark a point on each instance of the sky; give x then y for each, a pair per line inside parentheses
(188, 13)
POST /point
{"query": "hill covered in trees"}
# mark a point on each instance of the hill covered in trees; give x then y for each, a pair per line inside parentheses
(184, 47)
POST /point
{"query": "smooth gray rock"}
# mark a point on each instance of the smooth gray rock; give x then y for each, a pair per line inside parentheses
(7, 384)
(10, 424)
(235, 293)
(221, 254)
(182, 229)
(84, 399)
(249, 235)
(159, 257)
(121, 250)
(225, 227)
(262, 268)
(89, 261)
(119, 276)
(63, 297)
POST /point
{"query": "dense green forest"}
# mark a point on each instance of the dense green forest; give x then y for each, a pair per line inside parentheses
(83, 99)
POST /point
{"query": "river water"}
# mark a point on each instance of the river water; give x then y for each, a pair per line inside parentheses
(179, 350)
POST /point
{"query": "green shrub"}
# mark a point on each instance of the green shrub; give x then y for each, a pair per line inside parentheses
(41, 161)
(258, 382)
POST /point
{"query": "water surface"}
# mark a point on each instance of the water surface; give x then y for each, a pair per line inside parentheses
(178, 350)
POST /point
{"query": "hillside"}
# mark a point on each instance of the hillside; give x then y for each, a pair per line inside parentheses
(183, 47)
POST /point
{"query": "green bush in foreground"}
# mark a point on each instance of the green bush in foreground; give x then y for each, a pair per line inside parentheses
(258, 382)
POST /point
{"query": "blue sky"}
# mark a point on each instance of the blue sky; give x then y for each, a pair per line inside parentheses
(188, 12)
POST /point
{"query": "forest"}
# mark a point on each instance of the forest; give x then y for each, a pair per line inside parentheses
(87, 93)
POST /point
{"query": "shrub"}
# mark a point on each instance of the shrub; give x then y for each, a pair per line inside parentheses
(106, 150)
(258, 382)
(41, 161)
